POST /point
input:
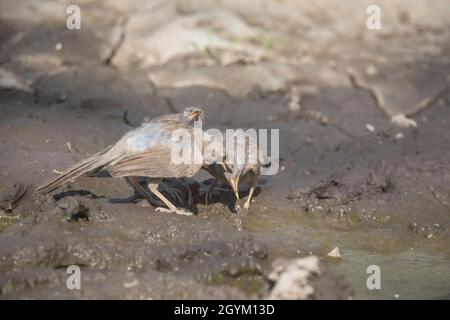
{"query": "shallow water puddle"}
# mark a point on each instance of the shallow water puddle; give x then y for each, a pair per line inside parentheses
(411, 267)
(411, 274)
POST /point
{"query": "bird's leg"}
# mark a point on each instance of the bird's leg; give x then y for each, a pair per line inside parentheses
(209, 191)
(250, 195)
(134, 182)
(153, 186)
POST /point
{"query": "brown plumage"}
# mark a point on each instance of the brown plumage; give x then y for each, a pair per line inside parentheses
(144, 151)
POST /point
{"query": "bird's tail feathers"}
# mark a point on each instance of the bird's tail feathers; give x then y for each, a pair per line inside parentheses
(97, 161)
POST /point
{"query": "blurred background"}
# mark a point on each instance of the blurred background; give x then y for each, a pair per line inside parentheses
(364, 134)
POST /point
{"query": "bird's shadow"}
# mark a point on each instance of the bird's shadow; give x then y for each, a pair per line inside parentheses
(180, 186)
(79, 192)
(222, 194)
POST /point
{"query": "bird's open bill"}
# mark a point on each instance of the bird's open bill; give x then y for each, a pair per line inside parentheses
(234, 181)
(195, 115)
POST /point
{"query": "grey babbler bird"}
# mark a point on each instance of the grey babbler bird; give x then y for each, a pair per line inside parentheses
(144, 152)
(243, 165)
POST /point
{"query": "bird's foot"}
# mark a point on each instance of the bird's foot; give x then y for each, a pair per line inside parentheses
(183, 212)
(177, 211)
(239, 207)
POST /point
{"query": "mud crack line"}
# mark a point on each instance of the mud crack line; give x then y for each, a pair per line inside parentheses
(118, 38)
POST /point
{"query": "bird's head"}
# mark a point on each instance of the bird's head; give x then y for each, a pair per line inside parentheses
(192, 114)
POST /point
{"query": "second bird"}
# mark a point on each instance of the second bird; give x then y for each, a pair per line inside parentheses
(243, 165)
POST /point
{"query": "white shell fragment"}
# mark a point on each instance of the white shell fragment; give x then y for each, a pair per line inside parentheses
(335, 253)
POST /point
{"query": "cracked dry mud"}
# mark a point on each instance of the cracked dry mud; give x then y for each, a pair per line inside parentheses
(349, 177)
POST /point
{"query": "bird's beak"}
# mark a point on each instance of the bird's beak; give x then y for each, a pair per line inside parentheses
(235, 185)
(195, 115)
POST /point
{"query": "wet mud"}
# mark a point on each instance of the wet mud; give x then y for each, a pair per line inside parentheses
(348, 178)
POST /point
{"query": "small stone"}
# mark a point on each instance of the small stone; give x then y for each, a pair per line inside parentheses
(371, 70)
(143, 204)
(412, 226)
(399, 136)
(131, 284)
(324, 120)
(62, 97)
(370, 128)
(58, 46)
(294, 104)
(260, 250)
(335, 253)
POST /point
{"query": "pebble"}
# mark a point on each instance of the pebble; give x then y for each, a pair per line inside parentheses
(131, 284)
(143, 204)
(335, 253)
(370, 128)
(294, 104)
(58, 46)
(371, 70)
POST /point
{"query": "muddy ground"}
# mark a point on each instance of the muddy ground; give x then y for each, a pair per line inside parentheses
(350, 177)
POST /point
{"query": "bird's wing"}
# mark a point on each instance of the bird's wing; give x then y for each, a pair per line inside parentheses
(154, 162)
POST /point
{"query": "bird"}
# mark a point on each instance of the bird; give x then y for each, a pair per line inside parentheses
(144, 152)
(237, 167)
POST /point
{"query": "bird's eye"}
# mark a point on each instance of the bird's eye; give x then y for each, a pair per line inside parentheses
(186, 113)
